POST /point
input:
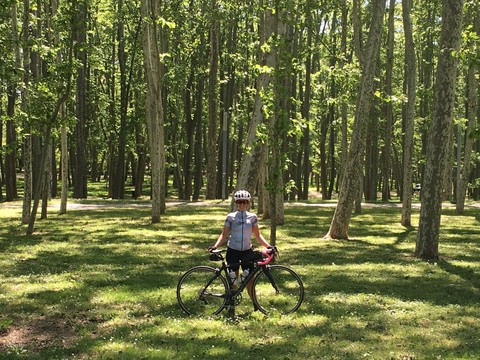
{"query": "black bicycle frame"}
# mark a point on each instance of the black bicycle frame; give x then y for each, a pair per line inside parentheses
(232, 294)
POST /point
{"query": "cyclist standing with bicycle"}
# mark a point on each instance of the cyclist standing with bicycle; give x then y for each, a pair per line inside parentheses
(237, 230)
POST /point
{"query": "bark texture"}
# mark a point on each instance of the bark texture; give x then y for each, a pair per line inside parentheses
(439, 131)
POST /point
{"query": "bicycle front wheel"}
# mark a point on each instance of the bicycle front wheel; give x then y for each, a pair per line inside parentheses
(278, 290)
(201, 291)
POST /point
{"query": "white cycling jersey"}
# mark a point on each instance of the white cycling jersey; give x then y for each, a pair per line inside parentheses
(241, 224)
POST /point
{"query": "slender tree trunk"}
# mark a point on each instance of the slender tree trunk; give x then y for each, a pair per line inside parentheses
(213, 110)
(350, 183)
(305, 142)
(140, 148)
(27, 150)
(409, 114)
(344, 105)
(248, 173)
(10, 175)
(11, 145)
(359, 52)
(472, 103)
(279, 119)
(2, 168)
(80, 180)
(118, 188)
(198, 165)
(387, 148)
(46, 179)
(371, 155)
(189, 130)
(154, 106)
(439, 132)
(64, 173)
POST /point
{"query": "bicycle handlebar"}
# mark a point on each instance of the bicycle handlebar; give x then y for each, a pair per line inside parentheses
(269, 253)
(269, 257)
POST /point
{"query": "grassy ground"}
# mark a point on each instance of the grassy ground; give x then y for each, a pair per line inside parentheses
(99, 283)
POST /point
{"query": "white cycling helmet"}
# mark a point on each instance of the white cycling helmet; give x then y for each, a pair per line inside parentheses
(242, 195)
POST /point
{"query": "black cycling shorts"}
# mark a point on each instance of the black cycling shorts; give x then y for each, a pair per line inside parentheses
(237, 256)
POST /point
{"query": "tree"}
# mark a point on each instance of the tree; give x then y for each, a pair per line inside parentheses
(409, 114)
(387, 148)
(11, 133)
(348, 188)
(472, 99)
(213, 107)
(80, 173)
(439, 131)
(249, 168)
(64, 80)
(27, 137)
(153, 105)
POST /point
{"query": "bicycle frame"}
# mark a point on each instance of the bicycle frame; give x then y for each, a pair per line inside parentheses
(233, 292)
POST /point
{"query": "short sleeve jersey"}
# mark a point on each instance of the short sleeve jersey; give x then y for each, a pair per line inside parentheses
(241, 224)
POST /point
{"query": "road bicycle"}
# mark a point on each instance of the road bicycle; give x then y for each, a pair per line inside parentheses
(206, 290)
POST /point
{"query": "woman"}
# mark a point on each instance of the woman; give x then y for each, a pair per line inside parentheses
(237, 230)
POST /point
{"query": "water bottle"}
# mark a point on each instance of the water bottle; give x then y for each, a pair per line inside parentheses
(233, 277)
(244, 275)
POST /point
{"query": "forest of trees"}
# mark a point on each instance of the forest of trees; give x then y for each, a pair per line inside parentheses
(197, 98)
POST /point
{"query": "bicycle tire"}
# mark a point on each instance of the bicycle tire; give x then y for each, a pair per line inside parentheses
(193, 296)
(290, 292)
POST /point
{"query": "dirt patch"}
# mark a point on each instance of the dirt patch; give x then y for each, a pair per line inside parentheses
(38, 333)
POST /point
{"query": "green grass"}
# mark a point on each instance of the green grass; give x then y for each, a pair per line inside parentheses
(100, 284)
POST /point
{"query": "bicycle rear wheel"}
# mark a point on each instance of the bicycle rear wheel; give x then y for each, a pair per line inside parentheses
(201, 291)
(278, 290)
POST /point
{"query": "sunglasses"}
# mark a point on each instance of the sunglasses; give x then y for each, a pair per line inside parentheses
(240, 202)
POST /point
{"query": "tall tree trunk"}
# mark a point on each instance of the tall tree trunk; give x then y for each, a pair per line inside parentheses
(27, 150)
(344, 105)
(189, 130)
(439, 131)
(472, 103)
(198, 164)
(118, 188)
(10, 175)
(64, 167)
(11, 145)
(409, 114)
(2, 168)
(350, 183)
(213, 109)
(387, 148)
(46, 178)
(305, 141)
(425, 76)
(359, 52)
(80, 180)
(154, 107)
(139, 146)
(371, 154)
(279, 118)
(248, 173)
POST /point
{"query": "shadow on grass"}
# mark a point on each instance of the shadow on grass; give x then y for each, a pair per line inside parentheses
(110, 277)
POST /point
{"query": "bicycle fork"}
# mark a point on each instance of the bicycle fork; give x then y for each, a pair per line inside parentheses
(266, 270)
